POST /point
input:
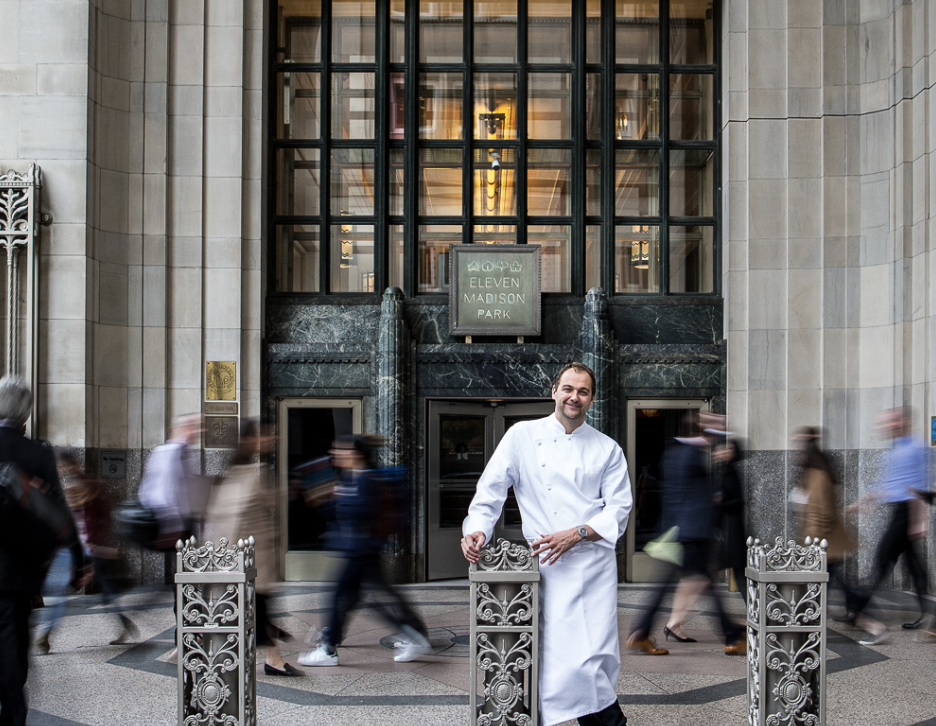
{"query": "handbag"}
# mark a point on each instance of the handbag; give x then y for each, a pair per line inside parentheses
(33, 517)
(136, 523)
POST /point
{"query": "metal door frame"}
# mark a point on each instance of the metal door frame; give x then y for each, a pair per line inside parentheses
(299, 565)
(640, 566)
(495, 412)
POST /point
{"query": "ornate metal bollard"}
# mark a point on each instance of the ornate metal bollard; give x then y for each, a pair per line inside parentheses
(786, 633)
(505, 635)
(216, 636)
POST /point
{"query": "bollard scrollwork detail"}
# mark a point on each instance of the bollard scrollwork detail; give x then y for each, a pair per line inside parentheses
(786, 633)
(216, 606)
(505, 636)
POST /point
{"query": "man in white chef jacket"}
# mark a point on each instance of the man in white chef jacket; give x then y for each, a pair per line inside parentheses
(574, 494)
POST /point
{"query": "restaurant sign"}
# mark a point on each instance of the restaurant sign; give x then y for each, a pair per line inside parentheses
(495, 290)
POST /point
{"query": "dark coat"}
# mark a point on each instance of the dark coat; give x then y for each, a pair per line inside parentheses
(734, 538)
(687, 493)
(18, 572)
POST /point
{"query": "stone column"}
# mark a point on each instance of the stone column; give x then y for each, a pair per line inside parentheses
(391, 377)
(597, 344)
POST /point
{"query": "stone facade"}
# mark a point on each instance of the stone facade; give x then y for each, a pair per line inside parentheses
(146, 117)
(827, 256)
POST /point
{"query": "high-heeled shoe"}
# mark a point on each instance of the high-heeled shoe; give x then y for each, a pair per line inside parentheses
(667, 633)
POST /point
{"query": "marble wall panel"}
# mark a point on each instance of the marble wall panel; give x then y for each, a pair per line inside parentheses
(347, 324)
(667, 323)
(765, 475)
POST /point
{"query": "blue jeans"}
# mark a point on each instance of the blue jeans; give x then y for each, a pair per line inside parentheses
(54, 591)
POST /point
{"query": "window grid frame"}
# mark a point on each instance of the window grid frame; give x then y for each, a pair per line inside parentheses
(607, 146)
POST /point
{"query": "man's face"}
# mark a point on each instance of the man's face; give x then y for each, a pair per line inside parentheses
(573, 396)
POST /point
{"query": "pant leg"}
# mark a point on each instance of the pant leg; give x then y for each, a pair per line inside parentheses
(399, 613)
(610, 716)
(741, 581)
(917, 573)
(14, 656)
(347, 594)
(54, 590)
(889, 549)
(644, 623)
(731, 630)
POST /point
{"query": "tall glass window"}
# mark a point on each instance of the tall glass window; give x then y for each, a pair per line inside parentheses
(588, 128)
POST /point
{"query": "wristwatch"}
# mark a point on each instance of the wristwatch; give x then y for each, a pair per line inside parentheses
(583, 533)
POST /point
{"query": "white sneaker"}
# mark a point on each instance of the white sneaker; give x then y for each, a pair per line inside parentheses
(412, 646)
(319, 657)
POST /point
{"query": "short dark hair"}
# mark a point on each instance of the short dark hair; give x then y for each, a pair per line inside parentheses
(574, 366)
(368, 446)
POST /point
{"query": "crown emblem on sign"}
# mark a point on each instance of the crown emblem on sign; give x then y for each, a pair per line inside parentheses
(474, 266)
(516, 266)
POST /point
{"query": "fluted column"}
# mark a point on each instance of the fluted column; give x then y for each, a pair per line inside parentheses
(391, 377)
(597, 343)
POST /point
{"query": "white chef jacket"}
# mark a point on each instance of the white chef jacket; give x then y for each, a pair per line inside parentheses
(560, 481)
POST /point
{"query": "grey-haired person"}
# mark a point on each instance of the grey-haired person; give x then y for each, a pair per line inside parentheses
(21, 574)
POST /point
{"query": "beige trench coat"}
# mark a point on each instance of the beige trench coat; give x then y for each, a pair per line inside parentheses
(241, 506)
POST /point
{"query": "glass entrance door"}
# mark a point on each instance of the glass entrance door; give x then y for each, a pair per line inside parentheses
(462, 437)
(651, 426)
(307, 428)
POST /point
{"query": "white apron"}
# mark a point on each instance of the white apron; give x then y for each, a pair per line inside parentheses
(562, 480)
(580, 657)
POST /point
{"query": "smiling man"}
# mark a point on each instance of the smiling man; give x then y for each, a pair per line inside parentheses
(574, 494)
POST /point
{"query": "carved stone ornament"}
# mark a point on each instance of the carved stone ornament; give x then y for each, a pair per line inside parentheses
(19, 234)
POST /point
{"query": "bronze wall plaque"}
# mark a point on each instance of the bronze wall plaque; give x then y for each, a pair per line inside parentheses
(221, 432)
(495, 290)
(221, 380)
(226, 408)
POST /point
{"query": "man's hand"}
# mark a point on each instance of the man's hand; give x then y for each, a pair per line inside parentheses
(558, 544)
(471, 545)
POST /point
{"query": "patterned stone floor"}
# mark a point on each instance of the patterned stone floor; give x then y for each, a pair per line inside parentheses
(85, 682)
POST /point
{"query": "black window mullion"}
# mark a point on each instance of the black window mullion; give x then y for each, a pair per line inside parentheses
(468, 113)
(411, 150)
(325, 131)
(664, 150)
(520, 181)
(381, 155)
(608, 230)
(716, 135)
(577, 266)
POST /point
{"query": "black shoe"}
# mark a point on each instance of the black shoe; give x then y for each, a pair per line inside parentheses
(288, 670)
(846, 618)
(667, 633)
(914, 625)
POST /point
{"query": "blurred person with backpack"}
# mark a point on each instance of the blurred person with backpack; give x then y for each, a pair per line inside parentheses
(370, 506)
(30, 534)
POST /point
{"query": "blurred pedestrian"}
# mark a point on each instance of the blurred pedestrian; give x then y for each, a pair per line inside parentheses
(821, 512)
(241, 505)
(93, 507)
(688, 508)
(22, 571)
(730, 504)
(368, 512)
(171, 487)
(906, 478)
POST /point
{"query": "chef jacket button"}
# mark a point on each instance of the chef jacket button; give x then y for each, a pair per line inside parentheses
(542, 464)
